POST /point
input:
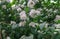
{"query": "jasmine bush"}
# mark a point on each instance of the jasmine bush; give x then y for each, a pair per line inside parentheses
(26, 17)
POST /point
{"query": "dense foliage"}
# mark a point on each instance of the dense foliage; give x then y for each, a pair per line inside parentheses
(26, 17)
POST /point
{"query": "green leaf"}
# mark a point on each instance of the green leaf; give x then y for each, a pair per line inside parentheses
(57, 21)
(26, 9)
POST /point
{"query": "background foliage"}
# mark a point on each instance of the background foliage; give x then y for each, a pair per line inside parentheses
(10, 19)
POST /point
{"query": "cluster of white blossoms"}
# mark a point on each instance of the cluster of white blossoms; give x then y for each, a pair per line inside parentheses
(19, 9)
(23, 15)
(57, 17)
(13, 22)
(14, 7)
(31, 3)
(8, 37)
(33, 24)
(7, 0)
(33, 13)
(0, 1)
(4, 6)
(22, 23)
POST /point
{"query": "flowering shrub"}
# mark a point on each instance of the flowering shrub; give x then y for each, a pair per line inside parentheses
(26, 17)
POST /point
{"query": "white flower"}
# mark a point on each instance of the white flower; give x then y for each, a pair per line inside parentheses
(57, 25)
(38, 31)
(57, 17)
(55, 32)
(50, 10)
(37, 12)
(30, 4)
(0, 2)
(57, 29)
(22, 6)
(13, 22)
(55, 11)
(3, 31)
(16, 6)
(13, 7)
(19, 9)
(4, 6)
(24, 3)
(11, 1)
(23, 15)
(8, 37)
(39, 9)
(33, 24)
(46, 25)
(7, 0)
(33, 13)
(41, 21)
(22, 23)
(53, 1)
(27, 37)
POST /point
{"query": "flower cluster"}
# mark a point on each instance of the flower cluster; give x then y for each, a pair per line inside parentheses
(20, 18)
